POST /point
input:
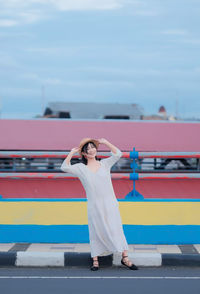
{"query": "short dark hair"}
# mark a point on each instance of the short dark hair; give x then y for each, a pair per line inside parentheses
(84, 149)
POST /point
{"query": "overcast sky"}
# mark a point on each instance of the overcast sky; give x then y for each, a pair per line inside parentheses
(125, 51)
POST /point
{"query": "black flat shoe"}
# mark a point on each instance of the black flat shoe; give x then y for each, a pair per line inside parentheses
(132, 267)
(94, 268)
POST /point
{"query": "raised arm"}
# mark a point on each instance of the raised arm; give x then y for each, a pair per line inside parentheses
(115, 153)
(67, 166)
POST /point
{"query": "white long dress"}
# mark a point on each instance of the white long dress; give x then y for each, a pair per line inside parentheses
(104, 221)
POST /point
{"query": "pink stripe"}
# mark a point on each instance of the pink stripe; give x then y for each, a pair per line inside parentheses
(65, 134)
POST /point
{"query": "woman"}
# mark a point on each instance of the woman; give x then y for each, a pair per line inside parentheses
(104, 221)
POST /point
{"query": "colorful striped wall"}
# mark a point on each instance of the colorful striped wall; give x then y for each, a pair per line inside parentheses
(151, 221)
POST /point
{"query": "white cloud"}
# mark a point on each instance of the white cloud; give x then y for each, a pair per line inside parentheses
(8, 22)
(144, 8)
(43, 81)
(121, 71)
(12, 35)
(11, 16)
(64, 51)
(97, 83)
(185, 39)
(86, 4)
(134, 74)
(66, 4)
(175, 32)
(17, 12)
(30, 76)
(30, 16)
(191, 41)
(19, 91)
(52, 81)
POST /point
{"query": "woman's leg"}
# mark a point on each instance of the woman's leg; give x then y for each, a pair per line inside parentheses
(125, 259)
(95, 261)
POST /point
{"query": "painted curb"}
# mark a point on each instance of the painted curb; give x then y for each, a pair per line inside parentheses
(140, 259)
(84, 259)
(7, 258)
(64, 259)
(181, 259)
(40, 259)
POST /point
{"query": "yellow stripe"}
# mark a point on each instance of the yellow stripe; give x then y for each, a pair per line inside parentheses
(160, 213)
(46, 213)
(137, 213)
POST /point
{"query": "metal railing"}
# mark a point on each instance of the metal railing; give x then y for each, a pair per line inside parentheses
(133, 175)
(157, 162)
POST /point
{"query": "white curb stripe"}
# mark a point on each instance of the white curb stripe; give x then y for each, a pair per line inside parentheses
(140, 259)
(39, 258)
(57, 259)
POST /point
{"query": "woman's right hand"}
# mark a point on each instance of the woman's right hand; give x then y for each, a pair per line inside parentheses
(74, 150)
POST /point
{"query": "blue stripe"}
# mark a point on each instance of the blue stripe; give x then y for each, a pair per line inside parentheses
(135, 234)
(162, 234)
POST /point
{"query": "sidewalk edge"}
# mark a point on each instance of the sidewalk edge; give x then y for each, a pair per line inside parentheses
(64, 259)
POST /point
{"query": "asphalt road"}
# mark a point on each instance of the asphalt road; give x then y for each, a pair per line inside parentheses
(71, 280)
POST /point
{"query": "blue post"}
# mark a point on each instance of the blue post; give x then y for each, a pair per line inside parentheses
(134, 195)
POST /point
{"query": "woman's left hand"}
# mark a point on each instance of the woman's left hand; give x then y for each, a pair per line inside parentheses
(102, 141)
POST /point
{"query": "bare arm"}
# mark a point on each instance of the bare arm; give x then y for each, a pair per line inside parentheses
(116, 153)
(112, 147)
(70, 155)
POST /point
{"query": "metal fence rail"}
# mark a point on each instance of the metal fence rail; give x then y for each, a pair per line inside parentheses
(62, 154)
(134, 176)
(125, 176)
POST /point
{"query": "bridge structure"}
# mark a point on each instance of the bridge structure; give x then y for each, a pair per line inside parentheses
(157, 207)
